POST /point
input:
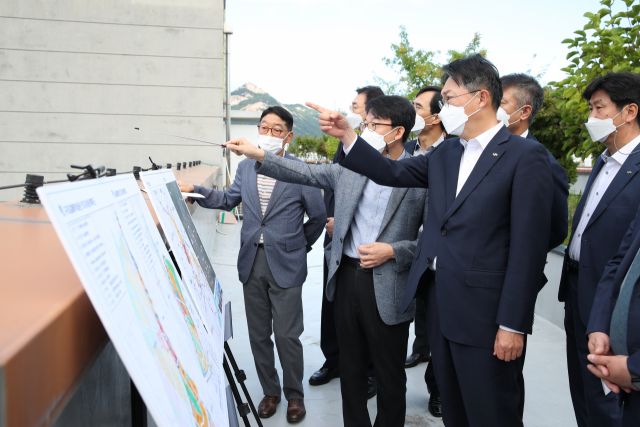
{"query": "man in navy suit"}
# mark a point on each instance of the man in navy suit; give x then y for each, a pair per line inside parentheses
(328, 336)
(482, 252)
(614, 326)
(431, 133)
(608, 206)
(522, 98)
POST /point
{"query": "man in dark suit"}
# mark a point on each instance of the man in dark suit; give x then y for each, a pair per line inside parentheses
(272, 263)
(522, 98)
(483, 248)
(328, 337)
(614, 326)
(608, 206)
(430, 135)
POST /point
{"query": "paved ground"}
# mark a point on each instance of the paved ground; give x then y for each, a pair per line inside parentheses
(548, 402)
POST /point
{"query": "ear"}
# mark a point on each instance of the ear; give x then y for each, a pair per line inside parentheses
(288, 139)
(526, 113)
(485, 98)
(632, 113)
(399, 134)
(436, 120)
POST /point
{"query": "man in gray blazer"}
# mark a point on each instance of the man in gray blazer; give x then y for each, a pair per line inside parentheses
(272, 263)
(374, 237)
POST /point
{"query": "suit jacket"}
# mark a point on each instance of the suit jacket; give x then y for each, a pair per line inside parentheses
(490, 240)
(410, 146)
(403, 216)
(287, 238)
(605, 230)
(329, 199)
(607, 295)
(559, 206)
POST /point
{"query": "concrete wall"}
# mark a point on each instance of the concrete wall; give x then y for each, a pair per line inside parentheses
(76, 77)
(580, 183)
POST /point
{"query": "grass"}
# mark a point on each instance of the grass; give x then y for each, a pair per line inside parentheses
(574, 199)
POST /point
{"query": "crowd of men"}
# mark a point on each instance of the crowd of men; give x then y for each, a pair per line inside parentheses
(451, 231)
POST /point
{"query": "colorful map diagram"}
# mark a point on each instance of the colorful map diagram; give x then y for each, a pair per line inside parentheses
(193, 261)
(146, 308)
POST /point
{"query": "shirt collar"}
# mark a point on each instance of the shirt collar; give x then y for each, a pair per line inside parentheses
(620, 157)
(434, 145)
(484, 138)
(525, 133)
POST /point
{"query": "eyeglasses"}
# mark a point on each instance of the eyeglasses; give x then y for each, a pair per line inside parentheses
(418, 107)
(354, 107)
(371, 126)
(446, 99)
(265, 129)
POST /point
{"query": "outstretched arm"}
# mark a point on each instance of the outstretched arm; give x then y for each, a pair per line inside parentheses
(296, 172)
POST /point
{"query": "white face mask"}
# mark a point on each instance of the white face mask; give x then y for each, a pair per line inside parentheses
(272, 144)
(374, 139)
(454, 118)
(420, 124)
(354, 119)
(504, 117)
(599, 130)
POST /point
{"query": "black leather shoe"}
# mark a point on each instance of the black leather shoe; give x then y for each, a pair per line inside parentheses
(416, 358)
(323, 376)
(435, 406)
(372, 388)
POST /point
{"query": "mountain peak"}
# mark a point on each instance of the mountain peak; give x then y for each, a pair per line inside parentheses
(249, 97)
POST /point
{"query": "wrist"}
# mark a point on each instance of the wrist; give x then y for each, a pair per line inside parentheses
(349, 137)
(260, 156)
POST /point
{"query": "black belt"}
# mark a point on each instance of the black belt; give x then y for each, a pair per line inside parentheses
(355, 262)
(573, 266)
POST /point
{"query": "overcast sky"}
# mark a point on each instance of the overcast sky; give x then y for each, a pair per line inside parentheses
(322, 50)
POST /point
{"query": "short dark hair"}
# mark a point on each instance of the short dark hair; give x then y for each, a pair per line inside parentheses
(370, 92)
(475, 73)
(281, 112)
(622, 88)
(434, 104)
(395, 108)
(527, 92)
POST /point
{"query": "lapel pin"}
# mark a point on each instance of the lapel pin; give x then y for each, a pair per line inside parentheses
(629, 172)
(495, 154)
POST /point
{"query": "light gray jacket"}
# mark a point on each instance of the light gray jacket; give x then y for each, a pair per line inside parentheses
(406, 212)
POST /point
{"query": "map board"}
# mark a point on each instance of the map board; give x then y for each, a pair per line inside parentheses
(193, 261)
(148, 312)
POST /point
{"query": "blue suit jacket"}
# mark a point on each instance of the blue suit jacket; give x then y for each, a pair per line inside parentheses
(607, 295)
(287, 238)
(605, 230)
(559, 206)
(490, 241)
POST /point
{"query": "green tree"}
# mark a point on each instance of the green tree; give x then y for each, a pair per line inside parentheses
(304, 145)
(550, 131)
(611, 45)
(328, 146)
(419, 68)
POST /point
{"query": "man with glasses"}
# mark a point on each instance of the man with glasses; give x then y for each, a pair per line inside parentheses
(430, 134)
(483, 249)
(375, 234)
(328, 336)
(272, 262)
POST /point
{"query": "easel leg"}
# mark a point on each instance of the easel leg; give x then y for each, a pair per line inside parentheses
(243, 408)
(138, 408)
(241, 377)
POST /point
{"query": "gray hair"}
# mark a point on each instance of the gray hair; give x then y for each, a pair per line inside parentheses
(527, 92)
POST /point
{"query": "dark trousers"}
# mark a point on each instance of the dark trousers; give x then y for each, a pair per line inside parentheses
(421, 345)
(328, 336)
(477, 388)
(591, 406)
(362, 335)
(631, 414)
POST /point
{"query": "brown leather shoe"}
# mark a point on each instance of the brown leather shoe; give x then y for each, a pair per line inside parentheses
(267, 406)
(295, 410)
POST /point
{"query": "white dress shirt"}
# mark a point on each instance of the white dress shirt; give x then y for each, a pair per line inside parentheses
(525, 133)
(612, 165)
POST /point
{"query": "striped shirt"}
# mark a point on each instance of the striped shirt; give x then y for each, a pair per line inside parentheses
(265, 188)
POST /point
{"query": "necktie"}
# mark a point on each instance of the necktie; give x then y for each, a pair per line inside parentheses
(620, 316)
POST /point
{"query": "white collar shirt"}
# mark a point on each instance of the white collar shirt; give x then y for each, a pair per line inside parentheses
(471, 154)
(608, 172)
(525, 133)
